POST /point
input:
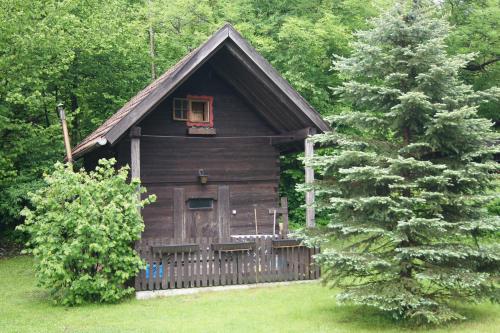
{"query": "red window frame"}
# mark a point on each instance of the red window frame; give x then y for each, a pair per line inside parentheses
(210, 101)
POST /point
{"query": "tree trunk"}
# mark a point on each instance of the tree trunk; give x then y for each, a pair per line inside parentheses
(406, 136)
(151, 41)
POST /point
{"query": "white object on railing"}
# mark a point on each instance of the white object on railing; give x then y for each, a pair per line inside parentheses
(253, 236)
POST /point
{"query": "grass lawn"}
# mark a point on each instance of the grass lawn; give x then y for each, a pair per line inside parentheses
(295, 308)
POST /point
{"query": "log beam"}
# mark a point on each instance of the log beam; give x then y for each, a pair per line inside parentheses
(135, 157)
(292, 136)
(135, 152)
(309, 178)
(284, 206)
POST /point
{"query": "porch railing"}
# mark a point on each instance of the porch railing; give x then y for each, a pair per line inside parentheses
(205, 262)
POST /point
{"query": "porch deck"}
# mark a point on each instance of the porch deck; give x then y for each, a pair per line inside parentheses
(206, 262)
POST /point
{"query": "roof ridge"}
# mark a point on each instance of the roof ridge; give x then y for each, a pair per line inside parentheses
(146, 99)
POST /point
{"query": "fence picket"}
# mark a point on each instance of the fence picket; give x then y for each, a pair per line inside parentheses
(187, 267)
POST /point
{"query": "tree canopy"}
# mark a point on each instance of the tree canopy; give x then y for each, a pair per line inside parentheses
(95, 55)
(407, 186)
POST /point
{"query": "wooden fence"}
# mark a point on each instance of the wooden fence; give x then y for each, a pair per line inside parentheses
(205, 262)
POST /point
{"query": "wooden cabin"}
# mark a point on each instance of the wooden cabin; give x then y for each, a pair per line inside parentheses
(206, 138)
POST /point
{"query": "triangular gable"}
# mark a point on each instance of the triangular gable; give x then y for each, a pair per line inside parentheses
(147, 99)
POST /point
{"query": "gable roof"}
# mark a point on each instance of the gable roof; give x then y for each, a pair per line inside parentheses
(146, 100)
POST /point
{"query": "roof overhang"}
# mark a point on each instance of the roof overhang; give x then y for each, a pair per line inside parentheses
(251, 62)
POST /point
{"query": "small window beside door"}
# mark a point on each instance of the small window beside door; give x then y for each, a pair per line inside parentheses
(201, 203)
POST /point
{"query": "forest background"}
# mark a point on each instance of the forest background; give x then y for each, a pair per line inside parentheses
(93, 56)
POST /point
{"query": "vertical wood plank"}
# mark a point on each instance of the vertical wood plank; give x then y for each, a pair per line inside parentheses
(211, 264)
(171, 269)
(257, 261)
(273, 264)
(239, 267)
(296, 259)
(178, 266)
(244, 267)
(302, 260)
(251, 264)
(222, 261)
(318, 268)
(284, 216)
(157, 261)
(309, 179)
(135, 152)
(197, 270)
(179, 214)
(164, 263)
(234, 267)
(217, 268)
(311, 263)
(269, 259)
(204, 263)
(288, 265)
(263, 261)
(223, 210)
(185, 277)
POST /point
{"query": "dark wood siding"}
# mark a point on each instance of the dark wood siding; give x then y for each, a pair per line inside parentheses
(232, 115)
(165, 160)
(248, 165)
(244, 198)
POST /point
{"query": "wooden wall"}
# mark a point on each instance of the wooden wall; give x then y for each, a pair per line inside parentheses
(233, 116)
(249, 166)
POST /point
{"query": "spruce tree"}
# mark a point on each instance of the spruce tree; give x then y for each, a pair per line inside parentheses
(412, 170)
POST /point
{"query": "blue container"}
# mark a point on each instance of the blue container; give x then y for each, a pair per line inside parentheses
(154, 270)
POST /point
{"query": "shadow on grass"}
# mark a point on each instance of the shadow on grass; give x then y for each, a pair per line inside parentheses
(369, 319)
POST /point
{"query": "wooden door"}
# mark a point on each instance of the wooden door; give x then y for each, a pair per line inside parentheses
(201, 218)
(201, 211)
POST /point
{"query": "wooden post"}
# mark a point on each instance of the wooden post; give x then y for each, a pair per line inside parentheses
(255, 218)
(179, 214)
(67, 143)
(283, 210)
(135, 152)
(284, 207)
(135, 156)
(223, 212)
(309, 175)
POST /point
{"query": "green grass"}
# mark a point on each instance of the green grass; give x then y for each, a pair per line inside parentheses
(295, 308)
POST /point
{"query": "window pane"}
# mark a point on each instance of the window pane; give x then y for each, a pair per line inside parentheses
(180, 108)
(198, 106)
(199, 111)
(200, 203)
(179, 114)
(196, 116)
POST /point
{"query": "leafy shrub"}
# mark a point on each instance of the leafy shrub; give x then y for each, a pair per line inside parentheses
(82, 229)
(494, 207)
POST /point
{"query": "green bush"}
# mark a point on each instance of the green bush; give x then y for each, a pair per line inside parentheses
(494, 207)
(82, 229)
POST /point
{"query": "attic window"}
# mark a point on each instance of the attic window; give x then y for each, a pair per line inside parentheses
(197, 111)
(200, 111)
(181, 108)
